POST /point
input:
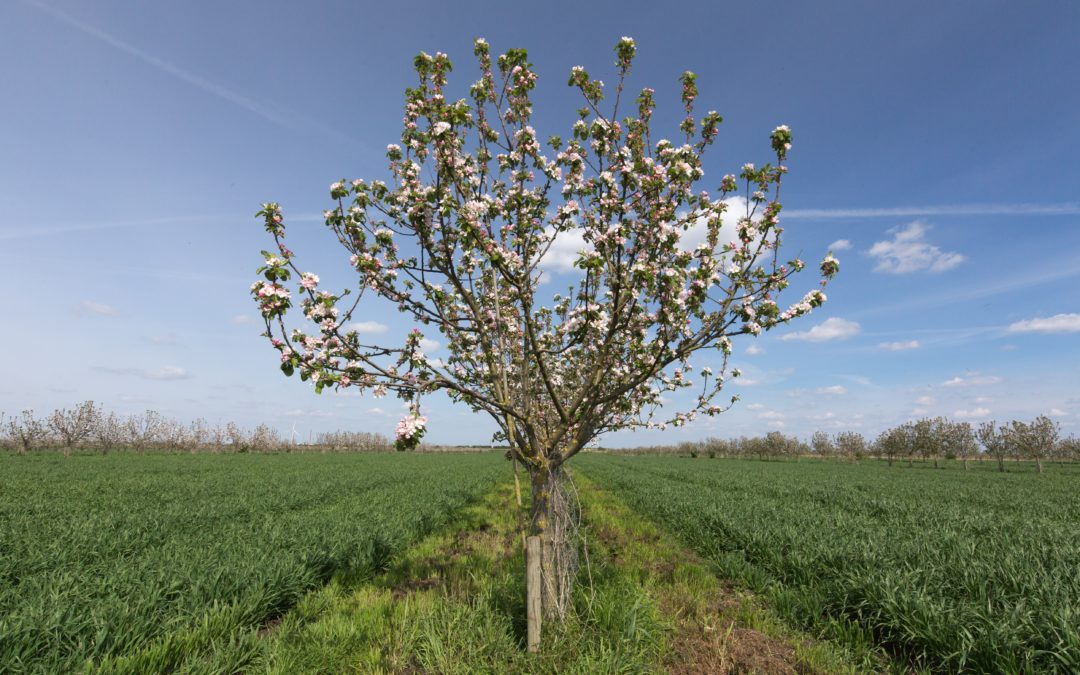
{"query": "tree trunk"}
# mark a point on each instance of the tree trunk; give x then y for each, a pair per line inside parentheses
(966, 467)
(910, 463)
(1001, 464)
(1038, 463)
(935, 462)
(540, 527)
(890, 461)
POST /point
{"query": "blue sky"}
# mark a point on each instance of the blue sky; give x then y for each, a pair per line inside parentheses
(937, 141)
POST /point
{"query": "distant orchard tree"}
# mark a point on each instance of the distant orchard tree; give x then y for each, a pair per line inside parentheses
(27, 431)
(822, 444)
(926, 439)
(457, 239)
(108, 432)
(894, 442)
(1035, 439)
(1069, 448)
(961, 441)
(851, 444)
(995, 441)
(72, 427)
(143, 430)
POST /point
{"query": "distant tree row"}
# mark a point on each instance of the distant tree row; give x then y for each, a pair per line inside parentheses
(87, 427)
(929, 439)
(940, 438)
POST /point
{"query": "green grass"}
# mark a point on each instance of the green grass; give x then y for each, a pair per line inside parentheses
(946, 570)
(454, 603)
(147, 563)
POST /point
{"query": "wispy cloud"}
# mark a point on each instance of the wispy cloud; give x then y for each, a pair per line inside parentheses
(830, 329)
(899, 346)
(30, 230)
(164, 373)
(835, 390)
(971, 380)
(973, 413)
(287, 119)
(161, 340)
(1063, 209)
(908, 252)
(300, 412)
(367, 327)
(754, 350)
(1059, 323)
(840, 245)
(242, 319)
(1053, 271)
(99, 308)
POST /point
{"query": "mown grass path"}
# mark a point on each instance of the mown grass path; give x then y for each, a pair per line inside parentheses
(454, 603)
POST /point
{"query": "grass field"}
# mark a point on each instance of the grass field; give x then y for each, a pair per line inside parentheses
(946, 569)
(411, 563)
(132, 563)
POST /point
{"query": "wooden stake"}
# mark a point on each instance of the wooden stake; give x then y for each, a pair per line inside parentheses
(533, 608)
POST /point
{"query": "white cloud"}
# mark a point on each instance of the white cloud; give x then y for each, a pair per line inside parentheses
(427, 346)
(164, 373)
(899, 346)
(1059, 323)
(771, 415)
(698, 232)
(567, 246)
(976, 380)
(1008, 348)
(973, 413)
(830, 329)
(835, 390)
(367, 327)
(754, 350)
(858, 379)
(840, 245)
(744, 381)
(925, 400)
(242, 319)
(755, 406)
(919, 411)
(1058, 412)
(776, 424)
(564, 250)
(908, 252)
(99, 308)
(299, 412)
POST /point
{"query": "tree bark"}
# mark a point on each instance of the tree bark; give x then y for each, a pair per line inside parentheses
(1001, 464)
(1038, 463)
(543, 487)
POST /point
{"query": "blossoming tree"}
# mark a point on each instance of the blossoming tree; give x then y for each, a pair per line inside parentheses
(458, 240)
